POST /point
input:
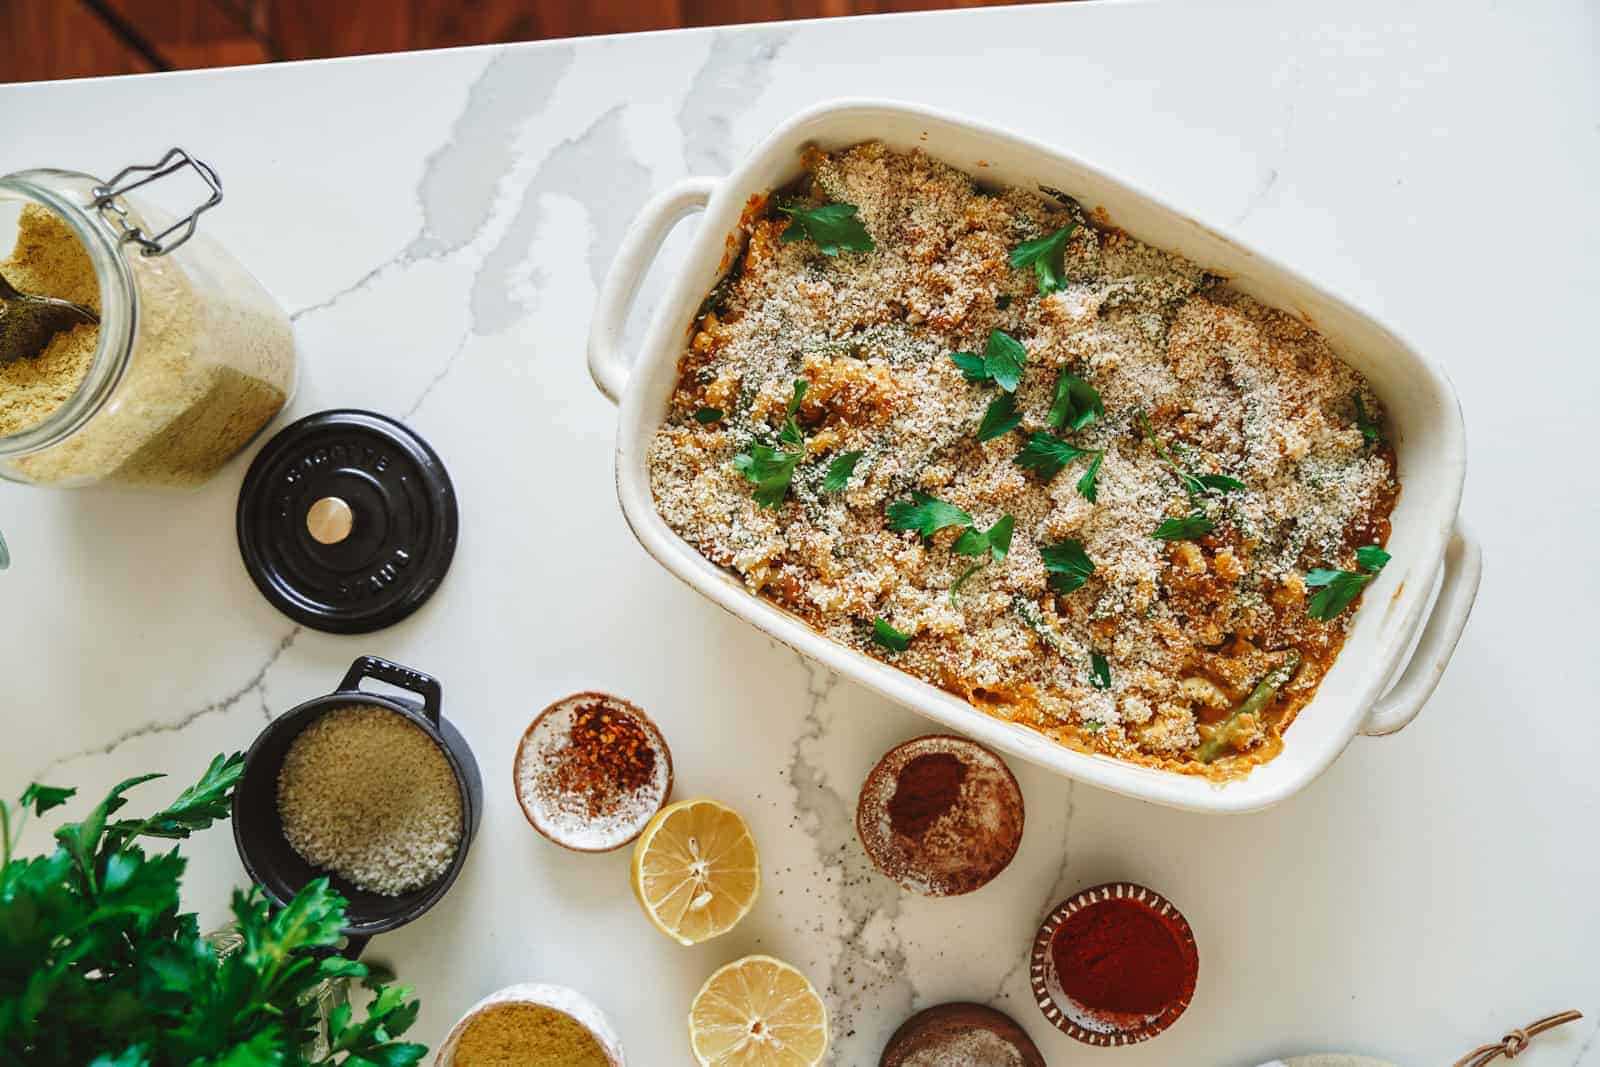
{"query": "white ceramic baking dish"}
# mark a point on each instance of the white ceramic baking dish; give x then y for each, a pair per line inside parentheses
(1418, 605)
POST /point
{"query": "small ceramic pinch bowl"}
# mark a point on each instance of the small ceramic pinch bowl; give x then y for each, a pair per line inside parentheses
(559, 813)
(554, 998)
(1099, 1027)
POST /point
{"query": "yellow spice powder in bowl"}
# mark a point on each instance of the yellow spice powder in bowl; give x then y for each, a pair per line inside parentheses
(532, 1025)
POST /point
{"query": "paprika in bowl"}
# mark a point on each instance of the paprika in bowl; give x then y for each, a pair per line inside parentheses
(941, 815)
(1114, 965)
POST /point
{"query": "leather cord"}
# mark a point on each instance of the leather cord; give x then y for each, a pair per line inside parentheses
(1513, 1043)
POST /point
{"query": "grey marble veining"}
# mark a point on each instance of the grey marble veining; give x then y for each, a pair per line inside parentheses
(597, 171)
(869, 971)
(461, 178)
(458, 186)
(738, 67)
(253, 686)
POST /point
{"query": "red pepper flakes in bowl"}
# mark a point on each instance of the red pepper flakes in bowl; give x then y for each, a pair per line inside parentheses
(590, 772)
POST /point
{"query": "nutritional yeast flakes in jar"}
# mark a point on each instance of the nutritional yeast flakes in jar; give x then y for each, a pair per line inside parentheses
(190, 357)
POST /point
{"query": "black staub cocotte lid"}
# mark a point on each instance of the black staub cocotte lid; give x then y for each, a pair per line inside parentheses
(347, 521)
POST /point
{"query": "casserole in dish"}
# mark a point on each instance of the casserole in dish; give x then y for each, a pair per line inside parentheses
(1423, 416)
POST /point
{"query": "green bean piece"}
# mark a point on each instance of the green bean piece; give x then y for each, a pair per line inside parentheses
(1265, 692)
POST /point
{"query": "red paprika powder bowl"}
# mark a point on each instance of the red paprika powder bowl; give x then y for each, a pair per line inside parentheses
(1114, 965)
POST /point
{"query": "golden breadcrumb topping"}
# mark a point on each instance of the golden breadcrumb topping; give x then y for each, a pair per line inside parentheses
(1195, 380)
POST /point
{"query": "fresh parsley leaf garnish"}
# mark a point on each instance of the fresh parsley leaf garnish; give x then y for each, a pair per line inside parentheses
(1366, 423)
(1099, 671)
(971, 364)
(889, 637)
(925, 514)
(1087, 487)
(992, 543)
(1093, 726)
(1000, 418)
(1049, 456)
(1003, 358)
(1188, 528)
(1220, 482)
(1000, 363)
(830, 227)
(791, 430)
(1076, 405)
(770, 470)
(840, 470)
(706, 416)
(1372, 558)
(1047, 256)
(1069, 565)
(1337, 589)
(995, 541)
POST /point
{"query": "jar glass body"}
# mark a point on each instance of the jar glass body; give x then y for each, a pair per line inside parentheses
(192, 359)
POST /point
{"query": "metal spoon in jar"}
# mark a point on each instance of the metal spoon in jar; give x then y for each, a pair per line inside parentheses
(27, 323)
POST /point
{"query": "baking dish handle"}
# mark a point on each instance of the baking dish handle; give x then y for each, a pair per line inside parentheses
(639, 247)
(1463, 570)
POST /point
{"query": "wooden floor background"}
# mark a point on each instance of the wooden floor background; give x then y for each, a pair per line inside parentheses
(41, 39)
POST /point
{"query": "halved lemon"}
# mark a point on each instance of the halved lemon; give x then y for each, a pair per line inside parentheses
(696, 871)
(758, 1012)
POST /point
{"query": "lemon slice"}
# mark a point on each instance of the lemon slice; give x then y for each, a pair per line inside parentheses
(758, 1012)
(696, 871)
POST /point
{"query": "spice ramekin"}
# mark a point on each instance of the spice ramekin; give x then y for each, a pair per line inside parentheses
(568, 1002)
(546, 822)
(961, 1032)
(966, 838)
(1079, 1022)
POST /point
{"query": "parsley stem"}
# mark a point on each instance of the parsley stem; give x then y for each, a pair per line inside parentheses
(968, 573)
(1150, 435)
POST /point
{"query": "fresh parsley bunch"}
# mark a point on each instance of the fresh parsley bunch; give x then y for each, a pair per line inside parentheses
(99, 968)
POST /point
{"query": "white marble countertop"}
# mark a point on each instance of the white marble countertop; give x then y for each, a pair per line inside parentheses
(438, 222)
